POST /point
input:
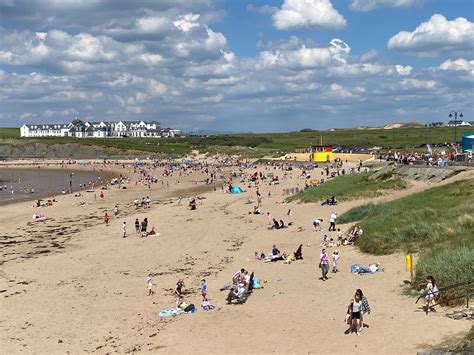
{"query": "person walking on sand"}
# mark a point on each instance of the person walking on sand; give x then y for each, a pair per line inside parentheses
(355, 310)
(335, 261)
(431, 292)
(324, 264)
(270, 220)
(124, 229)
(204, 290)
(106, 219)
(332, 221)
(137, 226)
(101, 195)
(149, 282)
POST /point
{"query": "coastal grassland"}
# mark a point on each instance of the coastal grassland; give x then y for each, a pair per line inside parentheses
(267, 143)
(351, 187)
(9, 133)
(438, 223)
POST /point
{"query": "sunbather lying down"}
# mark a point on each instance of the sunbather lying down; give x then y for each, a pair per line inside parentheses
(371, 269)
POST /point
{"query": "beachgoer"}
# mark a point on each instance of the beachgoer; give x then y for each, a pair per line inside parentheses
(335, 261)
(431, 292)
(270, 219)
(332, 221)
(178, 292)
(137, 226)
(236, 276)
(124, 229)
(365, 308)
(102, 195)
(144, 227)
(355, 312)
(106, 219)
(150, 286)
(204, 290)
(324, 264)
(317, 225)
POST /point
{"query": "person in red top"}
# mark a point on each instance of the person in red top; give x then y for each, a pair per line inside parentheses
(101, 194)
(106, 219)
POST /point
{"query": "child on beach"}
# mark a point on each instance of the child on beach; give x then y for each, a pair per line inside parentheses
(204, 290)
(124, 229)
(317, 225)
(178, 292)
(150, 286)
(335, 261)
(106, 219)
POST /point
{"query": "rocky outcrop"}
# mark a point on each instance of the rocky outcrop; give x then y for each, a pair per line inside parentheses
(418, 173)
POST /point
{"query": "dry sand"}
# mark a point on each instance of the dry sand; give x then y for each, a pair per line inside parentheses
(72, 284)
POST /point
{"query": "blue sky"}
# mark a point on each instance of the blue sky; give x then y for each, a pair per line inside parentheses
(261, 65)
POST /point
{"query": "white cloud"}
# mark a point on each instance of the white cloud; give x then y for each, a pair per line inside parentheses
(308, 13)
(418, 84)
(435, 36)
(369, 5)
(403, 70)
(187, 22)
(460, 64)
(304, 57)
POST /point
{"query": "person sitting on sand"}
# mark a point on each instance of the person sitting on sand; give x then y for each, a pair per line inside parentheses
(236, 276)
(276, 225)
(282, 224)
(256, 210)
(192, 204)
(153, 233)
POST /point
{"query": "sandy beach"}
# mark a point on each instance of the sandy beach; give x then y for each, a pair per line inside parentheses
(73, 284)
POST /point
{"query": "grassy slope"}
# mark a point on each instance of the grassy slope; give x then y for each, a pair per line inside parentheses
(272, 142)
(439, 223)
(350, 187)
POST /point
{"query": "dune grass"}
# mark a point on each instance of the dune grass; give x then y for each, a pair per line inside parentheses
(351, 187)
(438, 223)
(439, 216)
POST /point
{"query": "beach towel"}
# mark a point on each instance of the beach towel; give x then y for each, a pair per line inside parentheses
(256, 283)
(170, 312)
(174, 312)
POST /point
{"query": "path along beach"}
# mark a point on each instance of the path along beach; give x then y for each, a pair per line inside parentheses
(72, 284)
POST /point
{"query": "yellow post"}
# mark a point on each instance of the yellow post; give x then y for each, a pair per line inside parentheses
(409, 264)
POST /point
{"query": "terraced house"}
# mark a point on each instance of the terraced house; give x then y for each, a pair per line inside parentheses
(85, 129)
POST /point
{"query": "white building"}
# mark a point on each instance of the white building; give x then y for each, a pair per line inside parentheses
(102, 129)
(458, 123)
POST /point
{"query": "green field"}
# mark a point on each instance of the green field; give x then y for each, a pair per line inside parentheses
(351, 187)
(438, 223)
(258, 145)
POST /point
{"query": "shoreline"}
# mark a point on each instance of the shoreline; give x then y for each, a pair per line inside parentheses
(105, 176)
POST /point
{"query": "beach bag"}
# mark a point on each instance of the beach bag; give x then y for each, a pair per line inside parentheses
(189, 308)
(348, 319)
(435, 291)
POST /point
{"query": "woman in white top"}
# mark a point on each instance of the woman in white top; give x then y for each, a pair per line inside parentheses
(356, 313)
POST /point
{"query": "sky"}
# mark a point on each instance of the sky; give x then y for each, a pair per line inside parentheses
(236, 65)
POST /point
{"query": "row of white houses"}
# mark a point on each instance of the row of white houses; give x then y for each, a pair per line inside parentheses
(102, 129)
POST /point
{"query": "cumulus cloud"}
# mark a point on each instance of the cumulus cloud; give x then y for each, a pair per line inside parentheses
(403, 70)
(165, 60)
(369, 5)
(460, 64)
(436, 35)
(308, 13)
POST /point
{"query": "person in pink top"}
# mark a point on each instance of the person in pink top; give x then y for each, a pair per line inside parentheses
(324, 264)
